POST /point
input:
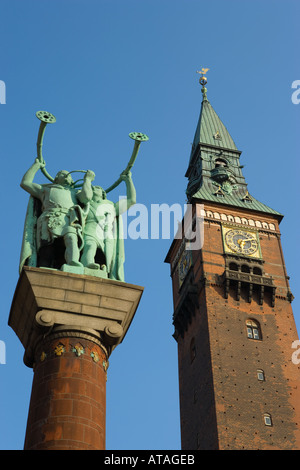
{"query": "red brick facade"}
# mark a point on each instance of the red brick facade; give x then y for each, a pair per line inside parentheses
(67, 407)
(236, 392)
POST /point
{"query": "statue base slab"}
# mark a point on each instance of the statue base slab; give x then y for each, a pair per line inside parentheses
(67, 268)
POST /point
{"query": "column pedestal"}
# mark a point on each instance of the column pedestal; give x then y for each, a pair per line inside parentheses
(69, 324)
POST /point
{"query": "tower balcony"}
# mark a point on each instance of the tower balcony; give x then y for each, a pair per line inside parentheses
(249, 281)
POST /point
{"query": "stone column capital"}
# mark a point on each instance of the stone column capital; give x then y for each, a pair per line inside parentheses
(51, 302)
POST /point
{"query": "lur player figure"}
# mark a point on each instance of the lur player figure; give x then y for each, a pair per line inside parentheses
(71, 226)
(103, 240)
(63, 210)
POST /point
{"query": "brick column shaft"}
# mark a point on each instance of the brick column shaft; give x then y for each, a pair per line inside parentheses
(67, 406)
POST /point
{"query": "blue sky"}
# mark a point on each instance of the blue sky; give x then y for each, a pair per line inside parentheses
(105, 68)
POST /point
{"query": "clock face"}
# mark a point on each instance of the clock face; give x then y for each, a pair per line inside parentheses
(242, 242)
(184, 265)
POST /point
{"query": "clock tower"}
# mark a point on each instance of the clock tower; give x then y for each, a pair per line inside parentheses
(239, 382)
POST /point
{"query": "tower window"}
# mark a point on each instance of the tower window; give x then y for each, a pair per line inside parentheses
(260, 375)
(253, 330)
(233, 267)
(245, 269)
(257, 271)
(219, 162)
(267, 419)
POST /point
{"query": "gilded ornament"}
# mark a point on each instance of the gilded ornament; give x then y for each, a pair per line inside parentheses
(78, 350)
(43, 356)
(95, 356)
(202, 72)
(59, 349)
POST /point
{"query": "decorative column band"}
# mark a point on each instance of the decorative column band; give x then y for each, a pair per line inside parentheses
(59, 343)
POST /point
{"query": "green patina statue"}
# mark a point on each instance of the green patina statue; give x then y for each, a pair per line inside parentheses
(103, 235)
(74, 227)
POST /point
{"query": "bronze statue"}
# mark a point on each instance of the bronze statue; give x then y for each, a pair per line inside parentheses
(62, 210)
(75, 227)
(103, 239)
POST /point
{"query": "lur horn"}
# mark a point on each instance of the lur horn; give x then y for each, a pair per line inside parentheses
(45, 118)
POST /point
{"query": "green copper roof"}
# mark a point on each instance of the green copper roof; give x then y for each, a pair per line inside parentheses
(236, 199)
(211, 130)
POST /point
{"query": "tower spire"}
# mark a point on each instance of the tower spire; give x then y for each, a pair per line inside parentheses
(214, 172)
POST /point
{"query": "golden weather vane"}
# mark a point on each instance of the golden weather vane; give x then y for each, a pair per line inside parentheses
(203, 79)
(203, 82)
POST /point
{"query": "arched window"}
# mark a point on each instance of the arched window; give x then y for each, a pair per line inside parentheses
(260, 375)
(245, 269)
(267, 419)
(233, 267)
(257, 271)
(220, 162)
(253, 330)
